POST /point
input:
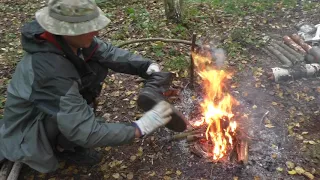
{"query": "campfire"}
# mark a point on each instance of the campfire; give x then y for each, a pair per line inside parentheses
(215, 133)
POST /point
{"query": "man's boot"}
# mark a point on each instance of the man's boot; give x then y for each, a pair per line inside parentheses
(152, 93)
(80, 156)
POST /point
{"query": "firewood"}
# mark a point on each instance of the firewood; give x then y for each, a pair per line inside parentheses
(15, 171)
(242, 151)
(5, 170)
(183, 135)
(296, 38)
(288, 41)
(286, 47)
(284, 60)
(306, 71)
(286, 53)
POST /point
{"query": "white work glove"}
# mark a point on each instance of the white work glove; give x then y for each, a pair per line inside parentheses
(158, 116)
(154, 67)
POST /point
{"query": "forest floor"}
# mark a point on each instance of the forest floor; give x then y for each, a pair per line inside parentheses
(289, 133)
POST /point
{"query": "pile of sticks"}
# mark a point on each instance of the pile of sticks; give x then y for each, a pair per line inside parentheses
(196, 139)
(10, 170)
(291, 53)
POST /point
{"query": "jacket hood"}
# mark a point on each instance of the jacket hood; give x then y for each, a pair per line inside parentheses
(31, 41)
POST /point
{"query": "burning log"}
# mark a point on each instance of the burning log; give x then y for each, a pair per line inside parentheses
(242, 151)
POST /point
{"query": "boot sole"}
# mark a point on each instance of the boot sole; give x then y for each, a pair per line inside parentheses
(178, 123)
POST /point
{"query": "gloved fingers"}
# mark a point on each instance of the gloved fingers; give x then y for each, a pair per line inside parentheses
(154, 67)
(162, 106)
(167, 119)
(166, 112)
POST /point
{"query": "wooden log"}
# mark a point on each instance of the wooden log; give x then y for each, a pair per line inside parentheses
(308, 70)
(296, 38)
(5, 170)
(288, 41)
(183, 135)
(286, 47)
(15, 171)
(243, 151)
(284, 60)
(286, 53)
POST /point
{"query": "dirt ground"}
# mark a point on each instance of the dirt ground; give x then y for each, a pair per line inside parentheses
(289, 132)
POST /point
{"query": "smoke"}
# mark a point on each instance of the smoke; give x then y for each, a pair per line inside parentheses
(219, 56)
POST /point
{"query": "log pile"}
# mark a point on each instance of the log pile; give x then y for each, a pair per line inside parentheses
(298, 59)
(10, 170)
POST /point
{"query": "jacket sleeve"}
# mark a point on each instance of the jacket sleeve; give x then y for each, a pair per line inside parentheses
(117, 59)
(59, 97)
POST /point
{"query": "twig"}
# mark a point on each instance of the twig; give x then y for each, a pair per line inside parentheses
(265, 114)
(156, 39)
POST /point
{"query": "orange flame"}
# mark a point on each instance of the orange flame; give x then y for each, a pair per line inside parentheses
(216, 106)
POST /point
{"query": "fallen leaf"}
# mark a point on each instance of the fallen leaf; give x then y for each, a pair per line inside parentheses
(312, 142)
(254, 107)
(274, 103)
(299, 170)
(304, 133)
(274, 155)
(292, 172)
(132, 158)
(166, 178)
(269, 126)
(279, 169)
(152, 174)
(130, 175)
(107, 148)
(256, 178)
(235, 178)
(290, 164)
(116, 175)
(168, 172)
(178, 172)
(308, 175)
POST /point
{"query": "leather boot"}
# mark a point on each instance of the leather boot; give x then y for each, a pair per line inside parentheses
(152, 93)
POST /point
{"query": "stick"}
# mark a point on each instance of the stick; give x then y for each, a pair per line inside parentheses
(14, 173)
(288, 41)
(156, 39)
(280, 56)
(192, 61)
(181, 135)
(5, 170)
(265, 114)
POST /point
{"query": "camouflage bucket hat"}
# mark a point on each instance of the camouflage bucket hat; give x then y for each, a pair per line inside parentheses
(71, 17)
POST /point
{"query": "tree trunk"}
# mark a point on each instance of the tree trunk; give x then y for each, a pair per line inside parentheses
(174, 10)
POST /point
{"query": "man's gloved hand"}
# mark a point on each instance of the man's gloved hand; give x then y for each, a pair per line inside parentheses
(156, 117)
(154, 67)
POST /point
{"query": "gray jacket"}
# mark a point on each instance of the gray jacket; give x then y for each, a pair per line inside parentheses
(46, 85)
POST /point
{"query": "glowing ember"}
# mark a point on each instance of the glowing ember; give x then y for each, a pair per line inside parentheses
(216, 106)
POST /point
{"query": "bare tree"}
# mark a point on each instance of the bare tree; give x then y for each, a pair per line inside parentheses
(174, 10)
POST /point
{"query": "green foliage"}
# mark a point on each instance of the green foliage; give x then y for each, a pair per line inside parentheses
(244, 7)
(178, 63)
